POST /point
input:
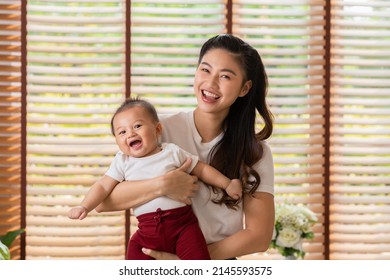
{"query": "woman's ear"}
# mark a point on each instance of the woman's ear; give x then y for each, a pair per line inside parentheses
(245, 89)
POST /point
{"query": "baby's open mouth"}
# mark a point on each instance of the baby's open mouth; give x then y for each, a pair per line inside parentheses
(135, 143)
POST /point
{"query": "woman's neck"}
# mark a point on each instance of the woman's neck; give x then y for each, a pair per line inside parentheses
(208, 125)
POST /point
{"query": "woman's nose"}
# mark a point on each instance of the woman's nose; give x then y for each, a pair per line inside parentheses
(213, 80)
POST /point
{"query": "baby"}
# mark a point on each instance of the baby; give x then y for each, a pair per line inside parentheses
(163, 223)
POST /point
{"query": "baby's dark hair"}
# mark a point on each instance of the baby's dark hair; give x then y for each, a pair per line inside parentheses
(133, 102)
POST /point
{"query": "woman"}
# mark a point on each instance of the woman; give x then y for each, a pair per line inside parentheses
(230, 86)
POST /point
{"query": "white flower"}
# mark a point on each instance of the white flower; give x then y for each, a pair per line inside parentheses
(293, 223)
(288, 237)
(298, 246)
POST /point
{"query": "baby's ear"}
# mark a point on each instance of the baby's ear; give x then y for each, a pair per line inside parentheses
(159, 129)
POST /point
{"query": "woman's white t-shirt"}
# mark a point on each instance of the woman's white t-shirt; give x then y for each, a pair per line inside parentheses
(216, 221)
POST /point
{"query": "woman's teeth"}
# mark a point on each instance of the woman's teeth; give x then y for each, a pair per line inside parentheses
(210, 95)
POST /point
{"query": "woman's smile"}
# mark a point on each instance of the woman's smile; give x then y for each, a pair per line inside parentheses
(209, 96)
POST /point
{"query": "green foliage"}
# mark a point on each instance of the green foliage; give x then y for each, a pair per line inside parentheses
(10, 236)
(6, 242)
(4, 252)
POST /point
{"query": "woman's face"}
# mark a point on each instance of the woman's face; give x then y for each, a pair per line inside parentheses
(219, 82)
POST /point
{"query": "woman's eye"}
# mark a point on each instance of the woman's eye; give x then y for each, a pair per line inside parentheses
(225, 77)
(205, 70)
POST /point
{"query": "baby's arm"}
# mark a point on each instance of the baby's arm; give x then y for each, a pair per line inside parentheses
(212, 176)
(97, 193)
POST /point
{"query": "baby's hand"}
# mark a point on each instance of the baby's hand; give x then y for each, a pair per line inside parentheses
(234, 189)
(78, 212)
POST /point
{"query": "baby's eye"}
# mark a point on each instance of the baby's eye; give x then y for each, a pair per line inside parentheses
(122, 132)
(137, 126)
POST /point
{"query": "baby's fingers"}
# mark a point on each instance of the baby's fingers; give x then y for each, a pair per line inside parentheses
(73, 214)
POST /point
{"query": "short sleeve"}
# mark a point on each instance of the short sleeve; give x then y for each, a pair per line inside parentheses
(265, 168)
(116, 169)
(182, 156)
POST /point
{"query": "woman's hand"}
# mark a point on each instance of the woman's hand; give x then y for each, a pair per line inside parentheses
(176, 184)
(179, 185)
(158, 255)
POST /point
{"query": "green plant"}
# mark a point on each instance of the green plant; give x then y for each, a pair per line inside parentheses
(6, 242)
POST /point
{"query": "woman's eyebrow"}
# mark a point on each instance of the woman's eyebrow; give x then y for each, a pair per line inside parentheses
(222, 70)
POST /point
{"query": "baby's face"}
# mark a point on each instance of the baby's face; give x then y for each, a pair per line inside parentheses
(136, 133)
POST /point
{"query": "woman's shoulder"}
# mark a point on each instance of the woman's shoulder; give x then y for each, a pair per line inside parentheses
(267, 152)
(175, 126)
(266, 147)
(173, 118)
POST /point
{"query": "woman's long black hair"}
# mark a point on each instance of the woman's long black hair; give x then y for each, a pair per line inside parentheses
(240, 148)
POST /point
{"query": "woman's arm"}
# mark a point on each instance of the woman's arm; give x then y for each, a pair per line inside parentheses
(257, 234)
(176, 184)
(256, 237)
